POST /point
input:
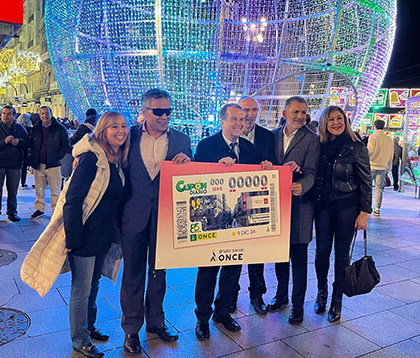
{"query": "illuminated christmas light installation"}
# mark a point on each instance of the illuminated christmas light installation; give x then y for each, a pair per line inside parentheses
(204, 52)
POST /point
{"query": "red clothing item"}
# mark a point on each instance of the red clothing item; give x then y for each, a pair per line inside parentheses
(44, 145)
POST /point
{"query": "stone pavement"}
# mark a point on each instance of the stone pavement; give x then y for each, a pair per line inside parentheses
(382, 324)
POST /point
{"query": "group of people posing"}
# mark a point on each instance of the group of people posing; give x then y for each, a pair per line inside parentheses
(113, 196)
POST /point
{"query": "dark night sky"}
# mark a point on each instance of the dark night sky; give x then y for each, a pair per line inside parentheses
(406, 52)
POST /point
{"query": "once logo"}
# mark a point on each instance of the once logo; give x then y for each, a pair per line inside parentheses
(194, 188)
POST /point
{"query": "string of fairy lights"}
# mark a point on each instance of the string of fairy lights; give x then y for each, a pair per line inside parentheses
(207, 52)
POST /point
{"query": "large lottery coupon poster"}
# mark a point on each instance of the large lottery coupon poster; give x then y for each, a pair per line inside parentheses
(211, 214)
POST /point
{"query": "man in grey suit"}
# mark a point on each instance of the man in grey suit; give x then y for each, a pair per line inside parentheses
(295, 142)
(151, 142)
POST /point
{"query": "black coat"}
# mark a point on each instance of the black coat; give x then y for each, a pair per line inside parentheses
(58, 144)
(214, 148)
(11, 157)
(264, 142)
(96, 235)
(351, 174)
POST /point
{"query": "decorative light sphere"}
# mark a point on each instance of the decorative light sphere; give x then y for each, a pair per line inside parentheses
(206, 52)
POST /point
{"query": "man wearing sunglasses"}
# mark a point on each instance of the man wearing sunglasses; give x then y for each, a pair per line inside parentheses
(151, 142)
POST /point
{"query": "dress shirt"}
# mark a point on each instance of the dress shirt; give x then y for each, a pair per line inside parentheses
(287, 139)
(229, 142)
(153, 151)
(250, 136)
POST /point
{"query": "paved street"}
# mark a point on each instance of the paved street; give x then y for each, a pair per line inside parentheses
(382, 324)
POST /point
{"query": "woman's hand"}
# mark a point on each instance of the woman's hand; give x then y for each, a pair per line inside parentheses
(361, 221)
(66, 251)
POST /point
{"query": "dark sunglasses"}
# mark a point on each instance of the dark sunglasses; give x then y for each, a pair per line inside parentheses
(161, 111)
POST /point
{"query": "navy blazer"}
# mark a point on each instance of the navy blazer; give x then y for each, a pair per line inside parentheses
(304, 150)
(141, 192)
(214, 148)
(264, 142)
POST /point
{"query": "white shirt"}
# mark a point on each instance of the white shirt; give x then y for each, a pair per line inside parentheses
(153, 151)
(381, 150)
(250, 136)
(229, 142)
(287, 139)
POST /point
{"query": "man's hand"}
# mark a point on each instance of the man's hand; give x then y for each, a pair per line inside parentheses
(227, 161)
(296, 189)
(65, 251)
(266, 165)
(293, 166)
(181, 158)
(9, 139)
(15, 142)
(361, 221)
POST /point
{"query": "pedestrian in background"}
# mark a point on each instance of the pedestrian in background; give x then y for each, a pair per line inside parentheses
(25, 121)
(396, 161)
(344, 198)
(13, 143)
(381, 153)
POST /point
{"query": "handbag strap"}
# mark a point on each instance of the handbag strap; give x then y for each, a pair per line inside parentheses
(354, 242)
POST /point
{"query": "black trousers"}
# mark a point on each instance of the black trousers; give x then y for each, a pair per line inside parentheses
(206, 284)
(299, 258)
(138, 249)
(333, 225)
(257, 285)
(395, 176)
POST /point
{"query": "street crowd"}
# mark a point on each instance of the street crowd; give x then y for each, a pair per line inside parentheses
(102, 204)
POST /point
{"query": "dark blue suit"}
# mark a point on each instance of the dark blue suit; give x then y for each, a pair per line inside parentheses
(139, 226)
(211, 150)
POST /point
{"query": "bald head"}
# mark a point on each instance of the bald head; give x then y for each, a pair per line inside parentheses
(251, 110)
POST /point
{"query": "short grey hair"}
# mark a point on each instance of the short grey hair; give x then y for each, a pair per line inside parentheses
(155, 93)
(295, 99)
(223, 111)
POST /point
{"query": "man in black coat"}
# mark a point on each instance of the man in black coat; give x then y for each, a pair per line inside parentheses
(14, 141)
(295, 142)
(227, 147)
(263, 140)
(49, 144)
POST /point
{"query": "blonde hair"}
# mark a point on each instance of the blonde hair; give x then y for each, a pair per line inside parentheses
(99, 135)
(24, 120)
(324, 135)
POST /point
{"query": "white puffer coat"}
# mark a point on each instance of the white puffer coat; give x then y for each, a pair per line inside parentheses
(45, 261)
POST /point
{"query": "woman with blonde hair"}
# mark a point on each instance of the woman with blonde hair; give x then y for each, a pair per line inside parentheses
(344, 199)
(93, 195)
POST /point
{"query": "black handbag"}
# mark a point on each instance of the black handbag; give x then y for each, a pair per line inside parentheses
(361, 276)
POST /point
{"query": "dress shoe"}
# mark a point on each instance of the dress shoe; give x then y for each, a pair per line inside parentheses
(90, 350)
(163, 333)
(296, 316)
(228, 322)
(232, 309)
(132, 344)
(202, 330)
(259, 305)
(334, 314)
(277, 303)
(13, 217)
(321, 302)
(97, 335)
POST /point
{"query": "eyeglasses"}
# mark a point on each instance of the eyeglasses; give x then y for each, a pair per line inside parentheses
(160, 111)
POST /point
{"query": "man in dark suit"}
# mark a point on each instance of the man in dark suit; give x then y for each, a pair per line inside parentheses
(295, 142)
(151, 142)
(263, 140)
(229, 148)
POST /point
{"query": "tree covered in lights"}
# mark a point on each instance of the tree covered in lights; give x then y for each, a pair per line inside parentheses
(206, 52)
